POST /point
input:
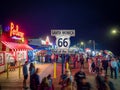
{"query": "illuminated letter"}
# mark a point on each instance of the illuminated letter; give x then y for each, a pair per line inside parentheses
(11, 28)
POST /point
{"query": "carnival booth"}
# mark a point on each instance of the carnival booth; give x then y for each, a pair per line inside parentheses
(14, 48)
(41, 55)
(42, 50)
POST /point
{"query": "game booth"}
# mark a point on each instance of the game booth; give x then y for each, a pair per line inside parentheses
(13, 49)
(42, 50)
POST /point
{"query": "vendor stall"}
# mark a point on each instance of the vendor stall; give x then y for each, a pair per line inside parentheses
(14, 48)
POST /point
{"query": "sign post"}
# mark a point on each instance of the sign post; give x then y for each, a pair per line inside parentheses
(62, 42)
(19, 69)
(7, 71)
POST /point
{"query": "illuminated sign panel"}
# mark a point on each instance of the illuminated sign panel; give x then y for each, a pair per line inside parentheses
(62, 39)
(14, 31)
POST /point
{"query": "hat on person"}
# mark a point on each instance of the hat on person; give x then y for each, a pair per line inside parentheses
(68, 70)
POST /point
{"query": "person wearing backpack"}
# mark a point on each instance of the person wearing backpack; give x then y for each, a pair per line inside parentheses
(35, 80)
(79, 76)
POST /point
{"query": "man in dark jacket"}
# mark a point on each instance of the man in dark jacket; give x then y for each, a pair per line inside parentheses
(108, 85)
(99, 80)
(84, 85)
(105, 65)
(25, 73)
(79, 76)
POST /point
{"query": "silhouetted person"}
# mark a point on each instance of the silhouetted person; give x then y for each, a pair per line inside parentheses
(25, 73)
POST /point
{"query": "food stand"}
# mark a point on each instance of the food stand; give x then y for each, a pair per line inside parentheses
(14, 48)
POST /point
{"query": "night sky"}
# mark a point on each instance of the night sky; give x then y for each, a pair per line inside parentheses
(92, 19)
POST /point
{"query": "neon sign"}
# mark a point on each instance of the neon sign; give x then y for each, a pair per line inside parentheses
(14, 31)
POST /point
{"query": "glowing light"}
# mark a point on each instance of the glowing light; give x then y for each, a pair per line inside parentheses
(93, 53)
(114, 31)
(43, 42)
(14, 31)
(47, 40)
(99, 53)
(14, 37)
(82, 43)
(88, 50)
(22, 39)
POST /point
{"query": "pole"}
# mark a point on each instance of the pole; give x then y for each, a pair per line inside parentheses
(7, 71)
(19, 70)
(63, 61)
(94, 46)
(0, 37)
(84, 47)
(67, 66)
(54, 69)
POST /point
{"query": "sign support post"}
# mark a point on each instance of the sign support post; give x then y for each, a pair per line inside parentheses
(55, 70)
(63, 63)
(63, 43)
(67, 65)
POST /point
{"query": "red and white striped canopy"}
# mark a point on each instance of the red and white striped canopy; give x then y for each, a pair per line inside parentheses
(16, 46)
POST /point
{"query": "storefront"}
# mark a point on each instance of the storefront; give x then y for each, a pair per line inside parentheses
(13, 48)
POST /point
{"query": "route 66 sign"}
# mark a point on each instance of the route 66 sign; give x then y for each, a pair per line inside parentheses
(63, 42)
(63, 38)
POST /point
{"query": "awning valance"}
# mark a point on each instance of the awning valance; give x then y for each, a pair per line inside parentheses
(17, 46)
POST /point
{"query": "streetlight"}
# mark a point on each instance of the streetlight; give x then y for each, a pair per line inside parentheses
(82, 44)
(93, 44)
(115, 31)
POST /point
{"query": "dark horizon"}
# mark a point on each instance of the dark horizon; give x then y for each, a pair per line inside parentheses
(91, 19)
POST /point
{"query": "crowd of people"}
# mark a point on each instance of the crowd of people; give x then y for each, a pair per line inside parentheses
(35, 84)
(102, 68)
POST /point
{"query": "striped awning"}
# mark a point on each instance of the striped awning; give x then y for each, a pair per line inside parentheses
(17, 46)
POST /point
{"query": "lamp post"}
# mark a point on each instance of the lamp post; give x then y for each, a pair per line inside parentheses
(82, 44)
(115, 31)
(93, 45)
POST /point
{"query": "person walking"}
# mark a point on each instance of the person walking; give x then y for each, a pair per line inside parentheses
(66, 80)
(105, 65)
(25, 73)
(32, 71)
(52, 58)
(44, 84)
(89, 65)
(100, 80)
(108, 85)
(79, 76)
(84, 85)
(81, 61)
(35, 81)
(50, 81)
(93, 66)
(113, 67)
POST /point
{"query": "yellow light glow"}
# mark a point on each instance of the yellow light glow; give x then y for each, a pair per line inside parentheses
(114, 31)
(82, 43)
